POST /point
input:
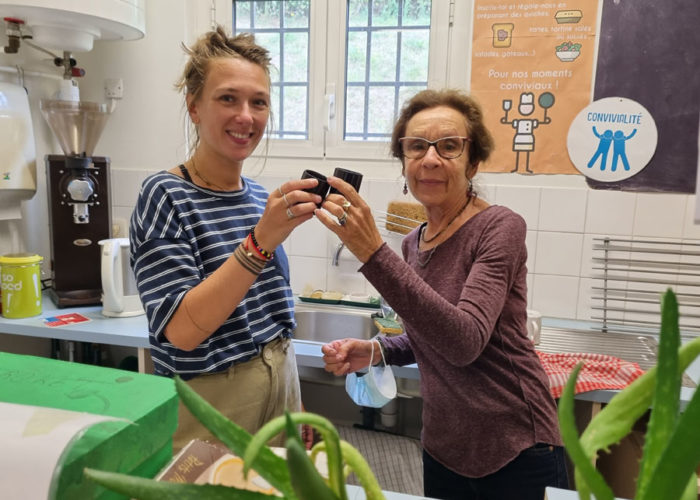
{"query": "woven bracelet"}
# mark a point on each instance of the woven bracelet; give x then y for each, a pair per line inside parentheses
(245, 259)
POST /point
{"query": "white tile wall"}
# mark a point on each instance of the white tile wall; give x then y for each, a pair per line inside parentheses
(610, 212)
(562, 222)
(660, 215)
(558, 253)
(563, 210)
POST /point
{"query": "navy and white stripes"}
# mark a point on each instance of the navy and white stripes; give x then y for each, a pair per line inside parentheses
(181, 233)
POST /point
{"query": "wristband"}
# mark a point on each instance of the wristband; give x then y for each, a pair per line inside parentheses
(264, 253)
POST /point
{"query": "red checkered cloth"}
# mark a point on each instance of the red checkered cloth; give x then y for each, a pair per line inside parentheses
(599, 371)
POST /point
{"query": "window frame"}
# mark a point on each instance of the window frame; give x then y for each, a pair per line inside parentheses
(327, 79)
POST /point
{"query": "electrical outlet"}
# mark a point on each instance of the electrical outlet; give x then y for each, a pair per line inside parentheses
(114, 88)
(120, 228)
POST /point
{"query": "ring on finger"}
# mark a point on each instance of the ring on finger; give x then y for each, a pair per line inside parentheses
(343, 219)
(284, 196)
(290, 214)
(346, 204)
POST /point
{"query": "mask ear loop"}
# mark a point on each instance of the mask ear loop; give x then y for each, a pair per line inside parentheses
(381, 352)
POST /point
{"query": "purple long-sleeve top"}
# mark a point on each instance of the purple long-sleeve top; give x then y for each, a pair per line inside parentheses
(485, 393)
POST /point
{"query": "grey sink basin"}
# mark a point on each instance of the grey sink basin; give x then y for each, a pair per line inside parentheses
(327, 326)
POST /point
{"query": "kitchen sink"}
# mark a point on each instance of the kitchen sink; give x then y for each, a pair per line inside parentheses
(327, 326)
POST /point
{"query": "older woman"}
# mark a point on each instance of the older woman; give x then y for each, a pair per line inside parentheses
(206, 247)
(489, 422)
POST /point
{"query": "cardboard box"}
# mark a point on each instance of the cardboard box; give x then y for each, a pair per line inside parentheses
(149, 401)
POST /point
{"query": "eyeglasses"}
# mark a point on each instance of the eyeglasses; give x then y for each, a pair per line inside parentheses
(449, 148)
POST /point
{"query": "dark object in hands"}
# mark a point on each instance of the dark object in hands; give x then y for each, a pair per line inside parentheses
(349, 176)
(321, 188)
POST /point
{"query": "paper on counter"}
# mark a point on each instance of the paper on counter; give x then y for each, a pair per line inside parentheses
(33, 439)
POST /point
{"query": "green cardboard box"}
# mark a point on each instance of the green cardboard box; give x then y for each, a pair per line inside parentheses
(149, 401)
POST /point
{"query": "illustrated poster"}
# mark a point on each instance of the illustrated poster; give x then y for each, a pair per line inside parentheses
(532, 72)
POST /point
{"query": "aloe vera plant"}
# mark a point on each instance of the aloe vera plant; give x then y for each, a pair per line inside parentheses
(672, 441)
(296, 478)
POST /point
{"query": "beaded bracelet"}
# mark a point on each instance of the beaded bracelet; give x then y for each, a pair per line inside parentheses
(264, 253)
(255, 253)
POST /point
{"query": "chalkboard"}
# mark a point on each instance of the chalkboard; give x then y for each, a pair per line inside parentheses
(649, 51)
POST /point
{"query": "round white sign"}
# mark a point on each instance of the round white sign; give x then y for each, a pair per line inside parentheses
(612, 139)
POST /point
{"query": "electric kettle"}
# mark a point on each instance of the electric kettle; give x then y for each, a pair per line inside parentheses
(120, 297)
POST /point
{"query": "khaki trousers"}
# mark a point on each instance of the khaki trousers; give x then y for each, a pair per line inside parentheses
(250, 394)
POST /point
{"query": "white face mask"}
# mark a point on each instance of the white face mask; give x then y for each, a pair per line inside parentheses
(375, 388)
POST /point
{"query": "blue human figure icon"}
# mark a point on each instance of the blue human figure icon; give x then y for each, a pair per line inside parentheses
(619, 140)
(605, 140)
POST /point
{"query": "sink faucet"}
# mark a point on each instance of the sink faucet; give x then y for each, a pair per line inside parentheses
(336, 255)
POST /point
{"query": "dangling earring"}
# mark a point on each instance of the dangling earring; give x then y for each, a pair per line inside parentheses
(405, 188)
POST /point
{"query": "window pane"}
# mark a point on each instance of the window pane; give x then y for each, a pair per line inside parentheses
(295, 109)
(267, 14)
(241, 15)
(379, 121)
(282, 27)
(385, 12)
(405, 93)
(296, 56)
(357, 13)
(355, 116)
(271, 41)
(414, 54)
(383, 63)
(392, 72)
(296, 14)
(357, 56)
(416, 12)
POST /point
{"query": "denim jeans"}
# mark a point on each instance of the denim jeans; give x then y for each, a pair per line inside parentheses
(525, 478)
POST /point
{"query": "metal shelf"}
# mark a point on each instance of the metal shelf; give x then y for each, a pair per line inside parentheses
(630, 274)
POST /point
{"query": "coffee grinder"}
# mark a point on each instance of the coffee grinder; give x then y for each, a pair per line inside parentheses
(79, 206)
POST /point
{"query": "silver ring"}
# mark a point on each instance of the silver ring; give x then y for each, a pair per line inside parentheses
(346, 204)
(284, 196)
(290, 215)
(343, 219)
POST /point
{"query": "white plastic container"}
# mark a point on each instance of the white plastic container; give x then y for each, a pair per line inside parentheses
(17, 150)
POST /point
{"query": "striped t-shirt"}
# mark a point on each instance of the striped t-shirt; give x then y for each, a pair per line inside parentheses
(181, 233)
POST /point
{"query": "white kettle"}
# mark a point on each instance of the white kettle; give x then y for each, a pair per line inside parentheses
(120, 297)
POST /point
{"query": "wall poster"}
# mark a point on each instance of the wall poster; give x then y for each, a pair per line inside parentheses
(532, 71)
(536, 65)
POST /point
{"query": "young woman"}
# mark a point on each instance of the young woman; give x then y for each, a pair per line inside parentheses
(206, 247)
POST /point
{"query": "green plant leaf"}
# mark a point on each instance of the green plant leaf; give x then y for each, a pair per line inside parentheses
(362, 470)
(150, 489)
(328, 433)
(616, 419)
(307, 482)
(691, 490)
(665, 403)
(567, 423)
(269, 466)
(680, 458)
